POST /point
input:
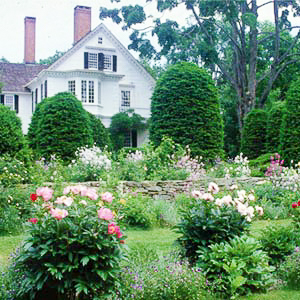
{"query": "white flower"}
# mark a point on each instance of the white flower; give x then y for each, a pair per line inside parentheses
(196, 194)
(207, 196)
(251, 197)
(259, 210)
(213, 187)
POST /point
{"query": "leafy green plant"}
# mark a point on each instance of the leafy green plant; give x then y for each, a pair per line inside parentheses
(185, 106)
(206, 220)
(289, 271)
(253, 142)
(11, 136)
(74, 246)
(279, 242)
(61, 125)
(236, 267)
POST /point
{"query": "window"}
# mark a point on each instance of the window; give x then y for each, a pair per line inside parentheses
(71, 86)
(100, 40)
(91, 91)
(130, 138)
(9, 101)
(127, 140)
(93, 61)
(107, 62)
(125, 100)
(99, 92)
(46, 88)
(83, 90)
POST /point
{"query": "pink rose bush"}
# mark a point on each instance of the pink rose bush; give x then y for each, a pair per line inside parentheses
(72, 235)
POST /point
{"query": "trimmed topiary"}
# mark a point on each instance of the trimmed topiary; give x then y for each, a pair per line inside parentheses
(99, 132)
(290, 129)
(11, 136)
(275, 117)
(185, 106)
(61, 126)
(253, 142)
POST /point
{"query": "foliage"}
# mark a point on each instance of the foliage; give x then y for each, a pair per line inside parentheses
(185, 106)
(122, 123)
(290, 130)
(275, 116)
(254, 134)
(73, 247)
(261, 164)
(206, 220)
(163, 278)
(11, 136)
(99, 132)
(60, 127)
(10, 220)
(236, 267)
(279, 242)
(52, 59)
(289, 271)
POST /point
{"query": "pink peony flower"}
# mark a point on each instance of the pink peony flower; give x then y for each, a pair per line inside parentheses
(213, 187)
(107, 196)
(83, 191)
(58, 213)
(45, 192)
(68, 201)
(196, 194)
(92, 194)
(67, 190)
(75, 189)
(105, 213)
(294, 205)
(111, 228)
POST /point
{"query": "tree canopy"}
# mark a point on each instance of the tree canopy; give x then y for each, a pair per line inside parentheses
(224, 36)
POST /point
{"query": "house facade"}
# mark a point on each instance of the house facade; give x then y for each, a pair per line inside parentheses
(98, 70)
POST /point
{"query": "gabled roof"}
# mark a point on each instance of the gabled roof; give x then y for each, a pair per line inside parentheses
(15, 76)
(118, 44)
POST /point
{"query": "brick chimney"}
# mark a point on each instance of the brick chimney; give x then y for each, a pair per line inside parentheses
(29, 44)
(82, 22)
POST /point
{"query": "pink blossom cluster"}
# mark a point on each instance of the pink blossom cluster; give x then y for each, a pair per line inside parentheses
(276, 166)
(44, 192)
(114, 229)
(82, 190)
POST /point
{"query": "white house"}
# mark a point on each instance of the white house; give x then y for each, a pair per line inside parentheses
(98, 70)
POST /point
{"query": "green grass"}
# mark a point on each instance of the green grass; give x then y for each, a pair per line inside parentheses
(7, 245)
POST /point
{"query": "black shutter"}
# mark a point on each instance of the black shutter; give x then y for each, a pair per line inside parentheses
(115, 63)
(46, 88)
(2, 99)
(86, 60)
(134, 138)
(100, 61)
(17, 104)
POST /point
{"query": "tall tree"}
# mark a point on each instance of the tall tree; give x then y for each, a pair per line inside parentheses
(221, 35)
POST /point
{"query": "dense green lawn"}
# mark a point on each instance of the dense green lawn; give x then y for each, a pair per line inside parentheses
(162, 240)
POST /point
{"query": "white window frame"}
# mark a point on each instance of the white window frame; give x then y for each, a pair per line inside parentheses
(108, 62)
(84, 91)
(72, 87)
(7, 99)
(93, 60)
(125, 102)
(91, 91)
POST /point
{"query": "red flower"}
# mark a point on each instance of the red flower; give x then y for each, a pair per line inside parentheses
(33, 197)
(122, 242)
(294, 205)
(299, 203)
(33, 220)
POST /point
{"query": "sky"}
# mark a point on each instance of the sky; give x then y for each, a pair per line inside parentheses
(54, 24)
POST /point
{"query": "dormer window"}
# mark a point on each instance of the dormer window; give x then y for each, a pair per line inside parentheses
(100, 40)
(100, 61)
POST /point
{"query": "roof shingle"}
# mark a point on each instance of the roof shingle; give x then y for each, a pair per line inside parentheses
(15, 76)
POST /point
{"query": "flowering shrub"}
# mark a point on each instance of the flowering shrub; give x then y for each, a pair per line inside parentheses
(91, 164)
(236, 267)
(74, 247)
(210, 219)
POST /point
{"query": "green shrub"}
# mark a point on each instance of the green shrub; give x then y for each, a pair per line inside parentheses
(260, 164)
(11, 136)
(74, 248)
(279, 242)
(99, 133)
(275, 116)
(289, 271)
(61, 127)
(185, 106)
(290, 129)
(253, 142)
(236, 267)
(205, 220)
